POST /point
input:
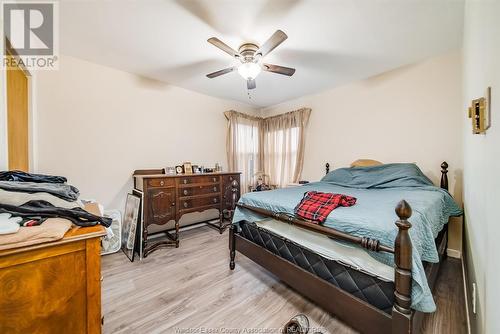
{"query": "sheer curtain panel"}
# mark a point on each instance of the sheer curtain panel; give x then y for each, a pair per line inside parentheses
(243, 141)
(284, 145)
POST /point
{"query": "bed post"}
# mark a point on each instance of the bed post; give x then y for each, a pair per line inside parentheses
(444, 175)
(401, 311)
(327, 167)
(232, 247)
(444, 185)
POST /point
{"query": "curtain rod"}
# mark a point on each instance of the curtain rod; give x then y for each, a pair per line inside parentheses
(259, 118)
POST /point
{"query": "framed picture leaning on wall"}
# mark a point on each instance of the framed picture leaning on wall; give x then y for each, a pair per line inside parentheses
(129, 228)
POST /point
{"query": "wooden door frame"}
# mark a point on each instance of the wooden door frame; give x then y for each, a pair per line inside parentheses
(6, 48)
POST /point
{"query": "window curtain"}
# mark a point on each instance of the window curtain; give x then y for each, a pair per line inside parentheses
(243, 146)
(274, 145)
(284, 145)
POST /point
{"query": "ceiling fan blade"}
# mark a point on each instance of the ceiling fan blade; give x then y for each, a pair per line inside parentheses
(220, 72)
(251, 84)
(278, 69)
(276, 39)
(223, 46)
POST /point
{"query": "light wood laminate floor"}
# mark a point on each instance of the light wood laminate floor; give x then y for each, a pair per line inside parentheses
(192, 290)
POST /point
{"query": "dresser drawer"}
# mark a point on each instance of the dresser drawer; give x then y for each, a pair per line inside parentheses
(161, 182)
(202, 202)
(186, 180)
(199, 190)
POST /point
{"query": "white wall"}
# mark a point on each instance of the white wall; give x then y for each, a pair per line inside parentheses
(96, 125)
(482, 160)
(411, 114)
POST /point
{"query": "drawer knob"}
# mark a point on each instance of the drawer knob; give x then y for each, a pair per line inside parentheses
(215, 179)
(185, 181)
(185, 204)
(215, 189)
(162, 183)
(173, 203)
(185, 192)
(215, 200)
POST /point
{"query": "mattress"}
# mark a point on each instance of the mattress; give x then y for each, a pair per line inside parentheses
(347, 254)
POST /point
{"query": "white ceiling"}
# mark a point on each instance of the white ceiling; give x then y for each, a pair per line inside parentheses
(330, 42)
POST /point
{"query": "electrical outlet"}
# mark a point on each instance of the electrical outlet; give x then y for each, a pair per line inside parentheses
(474, 298)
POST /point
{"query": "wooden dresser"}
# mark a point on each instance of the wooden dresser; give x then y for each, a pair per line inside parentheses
(169, 197)
(53, 287)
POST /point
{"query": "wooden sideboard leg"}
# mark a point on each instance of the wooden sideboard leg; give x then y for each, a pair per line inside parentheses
(176, 234)
(232, 247)
(144, 235)
(221, 222)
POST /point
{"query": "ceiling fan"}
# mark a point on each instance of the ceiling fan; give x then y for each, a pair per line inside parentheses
(250, 55)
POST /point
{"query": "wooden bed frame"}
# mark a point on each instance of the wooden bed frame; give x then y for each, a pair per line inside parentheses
(353, 311)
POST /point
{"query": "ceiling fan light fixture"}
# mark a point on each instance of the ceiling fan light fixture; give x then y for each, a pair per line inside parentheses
(249, 70)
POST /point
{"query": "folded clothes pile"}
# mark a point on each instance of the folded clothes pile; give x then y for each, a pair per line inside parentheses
(30, 199)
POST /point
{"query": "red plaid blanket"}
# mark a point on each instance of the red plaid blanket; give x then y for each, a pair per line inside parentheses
(317, 206)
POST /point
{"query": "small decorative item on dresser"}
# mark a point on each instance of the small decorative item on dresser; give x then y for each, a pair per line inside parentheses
(188, 169)
(130, 220)
(194, 168)
(208, 170)
(261, 184)
(170, 170)
(179, 169)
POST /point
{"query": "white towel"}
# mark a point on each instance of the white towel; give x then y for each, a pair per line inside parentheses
(9, 224)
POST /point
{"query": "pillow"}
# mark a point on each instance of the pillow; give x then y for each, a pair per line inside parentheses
(365, 163)
(381, 176)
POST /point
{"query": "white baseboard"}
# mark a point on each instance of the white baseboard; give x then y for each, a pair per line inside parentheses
(454, 253)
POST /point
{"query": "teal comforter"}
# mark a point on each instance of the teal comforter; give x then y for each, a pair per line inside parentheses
(378, 190)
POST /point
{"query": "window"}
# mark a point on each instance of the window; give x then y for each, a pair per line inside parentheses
(280, 155)
(273, 145)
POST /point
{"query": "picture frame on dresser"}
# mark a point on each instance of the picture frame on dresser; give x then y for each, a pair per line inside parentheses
(130, 225)
(188, 169)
